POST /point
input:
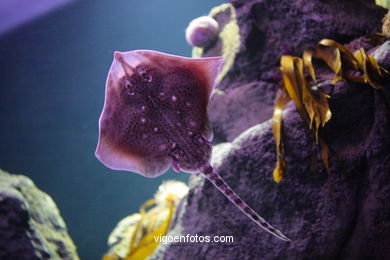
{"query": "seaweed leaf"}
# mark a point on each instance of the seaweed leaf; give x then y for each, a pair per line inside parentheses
(147, 244)
(325, 154)
(317, 107)
(277, 121)
(153, 220)
(294, 82)
(337, 57)
(134, 241)
(311, 102)
(307, 60)
(372, 72)
(280, 169)
(357, 67)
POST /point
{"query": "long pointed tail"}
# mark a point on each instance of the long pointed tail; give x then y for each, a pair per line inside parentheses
(218, 182)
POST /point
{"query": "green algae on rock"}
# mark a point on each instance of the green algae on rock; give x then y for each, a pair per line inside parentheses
(31, 226)
(228, 43)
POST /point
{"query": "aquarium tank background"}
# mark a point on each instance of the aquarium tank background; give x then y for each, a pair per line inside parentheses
(300, 116)
(53, 72)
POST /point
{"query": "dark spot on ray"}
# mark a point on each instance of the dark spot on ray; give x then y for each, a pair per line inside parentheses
(273, 230)
(219, 182)
(228, 192)
(238, 201)
(247, 210)
(263, 224)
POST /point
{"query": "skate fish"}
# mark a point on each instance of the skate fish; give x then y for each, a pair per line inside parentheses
(155, 116)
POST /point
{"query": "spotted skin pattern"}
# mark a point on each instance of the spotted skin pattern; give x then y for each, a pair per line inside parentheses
(155, 116)
(218, 182)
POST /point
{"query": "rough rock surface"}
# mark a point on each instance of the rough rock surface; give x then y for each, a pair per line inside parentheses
(268, 30)
(30, 225)
(343, 215)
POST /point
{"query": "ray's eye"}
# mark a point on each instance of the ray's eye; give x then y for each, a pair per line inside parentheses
(128, 87)
(146, 77)
(145, 74)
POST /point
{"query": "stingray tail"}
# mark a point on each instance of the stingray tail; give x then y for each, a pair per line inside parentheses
(218, 182)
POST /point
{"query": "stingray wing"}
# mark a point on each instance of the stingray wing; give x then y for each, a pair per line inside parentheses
(133, 131)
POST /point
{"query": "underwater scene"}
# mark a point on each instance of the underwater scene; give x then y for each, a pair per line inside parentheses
(168, 129)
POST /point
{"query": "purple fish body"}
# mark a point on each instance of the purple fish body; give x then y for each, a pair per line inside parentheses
(155, 116)
(155, 112)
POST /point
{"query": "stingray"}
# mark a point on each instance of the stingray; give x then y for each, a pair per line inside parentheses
(155, 116)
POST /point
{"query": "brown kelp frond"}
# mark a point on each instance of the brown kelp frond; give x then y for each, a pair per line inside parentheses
(324, 154)
(311, 102)
(300, 84)
(294, 82)
(307, 60)
(139, 237)
(281, 100)
(358, 67)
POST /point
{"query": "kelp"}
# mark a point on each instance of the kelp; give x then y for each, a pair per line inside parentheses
(311, 103)
(281, 100)
(301, 85)
(152, 221)
(357, 67)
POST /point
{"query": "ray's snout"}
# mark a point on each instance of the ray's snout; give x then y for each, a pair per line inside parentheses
(120, 58)
(117, 55)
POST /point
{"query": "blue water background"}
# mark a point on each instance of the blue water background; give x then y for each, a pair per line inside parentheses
(52, 76)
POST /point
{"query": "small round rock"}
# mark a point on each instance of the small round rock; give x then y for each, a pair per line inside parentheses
(201, 31)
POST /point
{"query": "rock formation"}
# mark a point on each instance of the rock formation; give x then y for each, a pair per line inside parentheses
(341, 215)
(30, 225)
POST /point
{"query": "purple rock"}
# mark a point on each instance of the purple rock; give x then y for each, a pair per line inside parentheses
(343, 215)
(31, 226)
(267, 30)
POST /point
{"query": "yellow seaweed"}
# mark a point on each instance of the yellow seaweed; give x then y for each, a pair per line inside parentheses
(307, 60)
(152, 221)
(311, 102)
(294, 82)
(345, 64)
(147, 244)
(281, 100)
